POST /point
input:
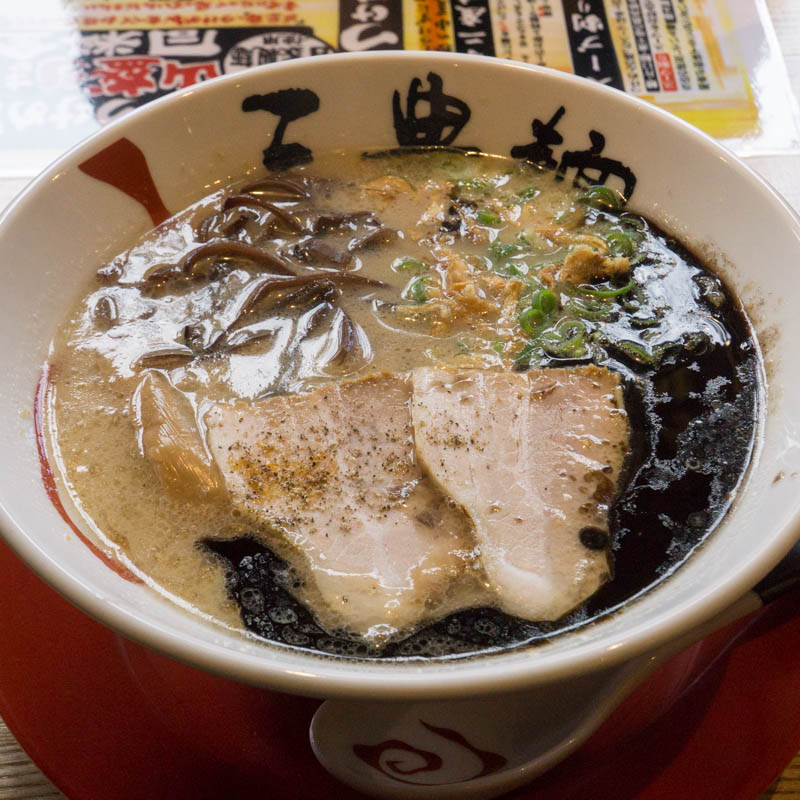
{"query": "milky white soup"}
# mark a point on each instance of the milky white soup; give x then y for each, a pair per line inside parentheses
(413, 404)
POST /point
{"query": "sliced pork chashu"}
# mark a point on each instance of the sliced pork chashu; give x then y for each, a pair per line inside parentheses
(533, 458)
(169, 437)
(333, 473)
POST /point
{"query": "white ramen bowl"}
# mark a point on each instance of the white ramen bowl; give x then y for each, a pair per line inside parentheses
(67, 223)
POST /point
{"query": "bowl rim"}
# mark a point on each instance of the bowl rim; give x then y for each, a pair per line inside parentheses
(336, 677)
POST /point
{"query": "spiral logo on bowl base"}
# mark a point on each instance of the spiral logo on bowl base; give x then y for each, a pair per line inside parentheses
(397, 759)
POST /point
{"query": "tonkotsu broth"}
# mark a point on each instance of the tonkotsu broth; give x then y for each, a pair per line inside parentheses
(527, 244)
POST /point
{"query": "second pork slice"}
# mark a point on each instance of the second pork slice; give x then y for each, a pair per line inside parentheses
(534, 459)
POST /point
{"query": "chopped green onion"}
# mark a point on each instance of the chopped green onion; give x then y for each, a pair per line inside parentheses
(543, 304)
(570, 328)
(565, 340)
(544, 300)
(636, 352)
(492, 220)
(608, 293)
(620, 244)
(603, 313)
(603, 197)
(639, 353)
(590, 303)
(527, 194)
(509, 270)
(498, 346)
(711, 290)
(637, 223)
(416, 290)
(501, 250)
(530, 318)
(409, 265)
(525, 355)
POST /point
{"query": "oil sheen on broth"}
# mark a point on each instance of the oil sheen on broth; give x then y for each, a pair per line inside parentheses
(352, 308)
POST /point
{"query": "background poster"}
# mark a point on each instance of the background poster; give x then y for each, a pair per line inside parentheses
(68, 67)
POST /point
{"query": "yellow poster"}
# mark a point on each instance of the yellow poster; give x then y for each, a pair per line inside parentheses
(66, 67)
